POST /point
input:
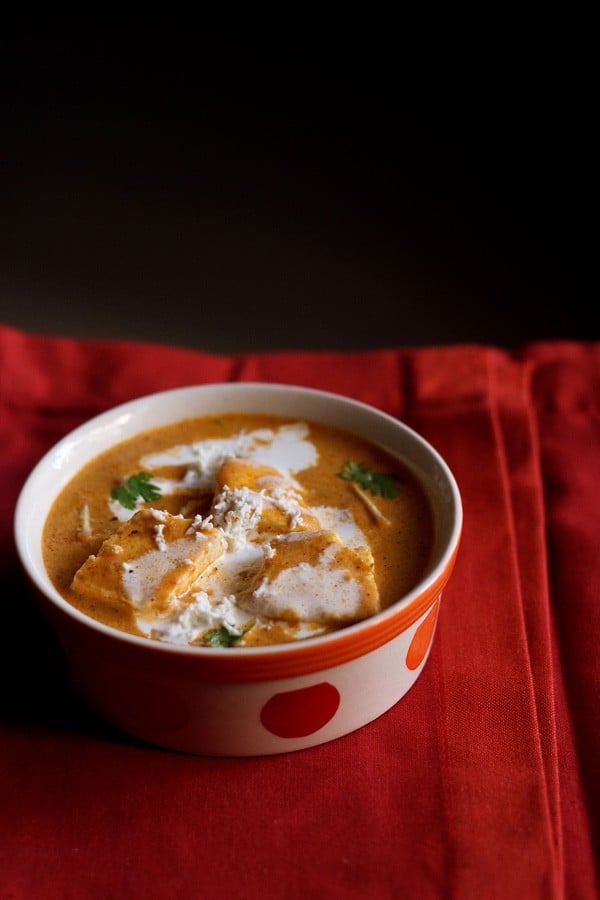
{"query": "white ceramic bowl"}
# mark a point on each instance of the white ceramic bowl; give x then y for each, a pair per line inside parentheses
(254, 700)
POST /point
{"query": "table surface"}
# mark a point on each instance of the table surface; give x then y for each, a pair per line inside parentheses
(481, 781)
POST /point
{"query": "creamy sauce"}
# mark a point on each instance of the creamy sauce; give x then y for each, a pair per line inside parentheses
(253, 539)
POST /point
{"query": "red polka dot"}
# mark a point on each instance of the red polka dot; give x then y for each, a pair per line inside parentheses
(422, 638)
(298, 713)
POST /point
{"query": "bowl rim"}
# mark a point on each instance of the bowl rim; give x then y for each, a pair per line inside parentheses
(309, 654)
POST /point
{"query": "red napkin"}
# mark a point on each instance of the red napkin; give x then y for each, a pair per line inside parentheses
(483, 782)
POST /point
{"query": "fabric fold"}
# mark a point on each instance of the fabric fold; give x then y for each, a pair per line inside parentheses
(501, 787)
(482, 782)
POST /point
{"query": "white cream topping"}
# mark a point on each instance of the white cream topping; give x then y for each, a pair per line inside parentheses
(142, 576)
(286, 449)
(215, 605)
(159, 537)
(287, 503)
(309, 592)
(121, 512)
(342, 522)
(237, 512)
(202, 613)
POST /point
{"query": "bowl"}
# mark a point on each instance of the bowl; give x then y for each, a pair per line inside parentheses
(245, 701)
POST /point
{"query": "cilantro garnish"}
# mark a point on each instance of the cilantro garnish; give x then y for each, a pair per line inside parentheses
(375, 482)
(221, 637)
(136, 486)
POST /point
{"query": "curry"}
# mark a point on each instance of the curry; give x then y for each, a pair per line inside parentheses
(238, 530)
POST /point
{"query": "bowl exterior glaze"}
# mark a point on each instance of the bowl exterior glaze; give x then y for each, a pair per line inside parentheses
(169, 700)
(244, 701)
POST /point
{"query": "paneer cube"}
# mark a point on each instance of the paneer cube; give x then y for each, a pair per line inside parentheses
(282, 506)
(152, 559)
(313, 577)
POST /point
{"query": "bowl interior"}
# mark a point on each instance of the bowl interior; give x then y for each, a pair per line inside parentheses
(58, 466)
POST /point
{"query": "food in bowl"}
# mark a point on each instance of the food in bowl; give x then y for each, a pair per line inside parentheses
(284, 684)
(238, 530)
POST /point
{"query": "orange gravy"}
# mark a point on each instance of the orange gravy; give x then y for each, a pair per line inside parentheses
(399, 531)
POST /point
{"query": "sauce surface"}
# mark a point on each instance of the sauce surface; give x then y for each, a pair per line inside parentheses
(252, 536)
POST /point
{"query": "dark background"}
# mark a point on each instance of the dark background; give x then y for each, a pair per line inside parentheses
(402, 183)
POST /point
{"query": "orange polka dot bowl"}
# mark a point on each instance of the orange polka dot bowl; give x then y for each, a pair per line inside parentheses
(239, 700)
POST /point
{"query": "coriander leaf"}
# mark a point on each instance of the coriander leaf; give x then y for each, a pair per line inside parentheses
(221, 637)
(377, 483)
(143, 486)
(138, 485)
(122, 496)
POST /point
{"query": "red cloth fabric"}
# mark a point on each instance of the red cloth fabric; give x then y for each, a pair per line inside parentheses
(483, 781)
